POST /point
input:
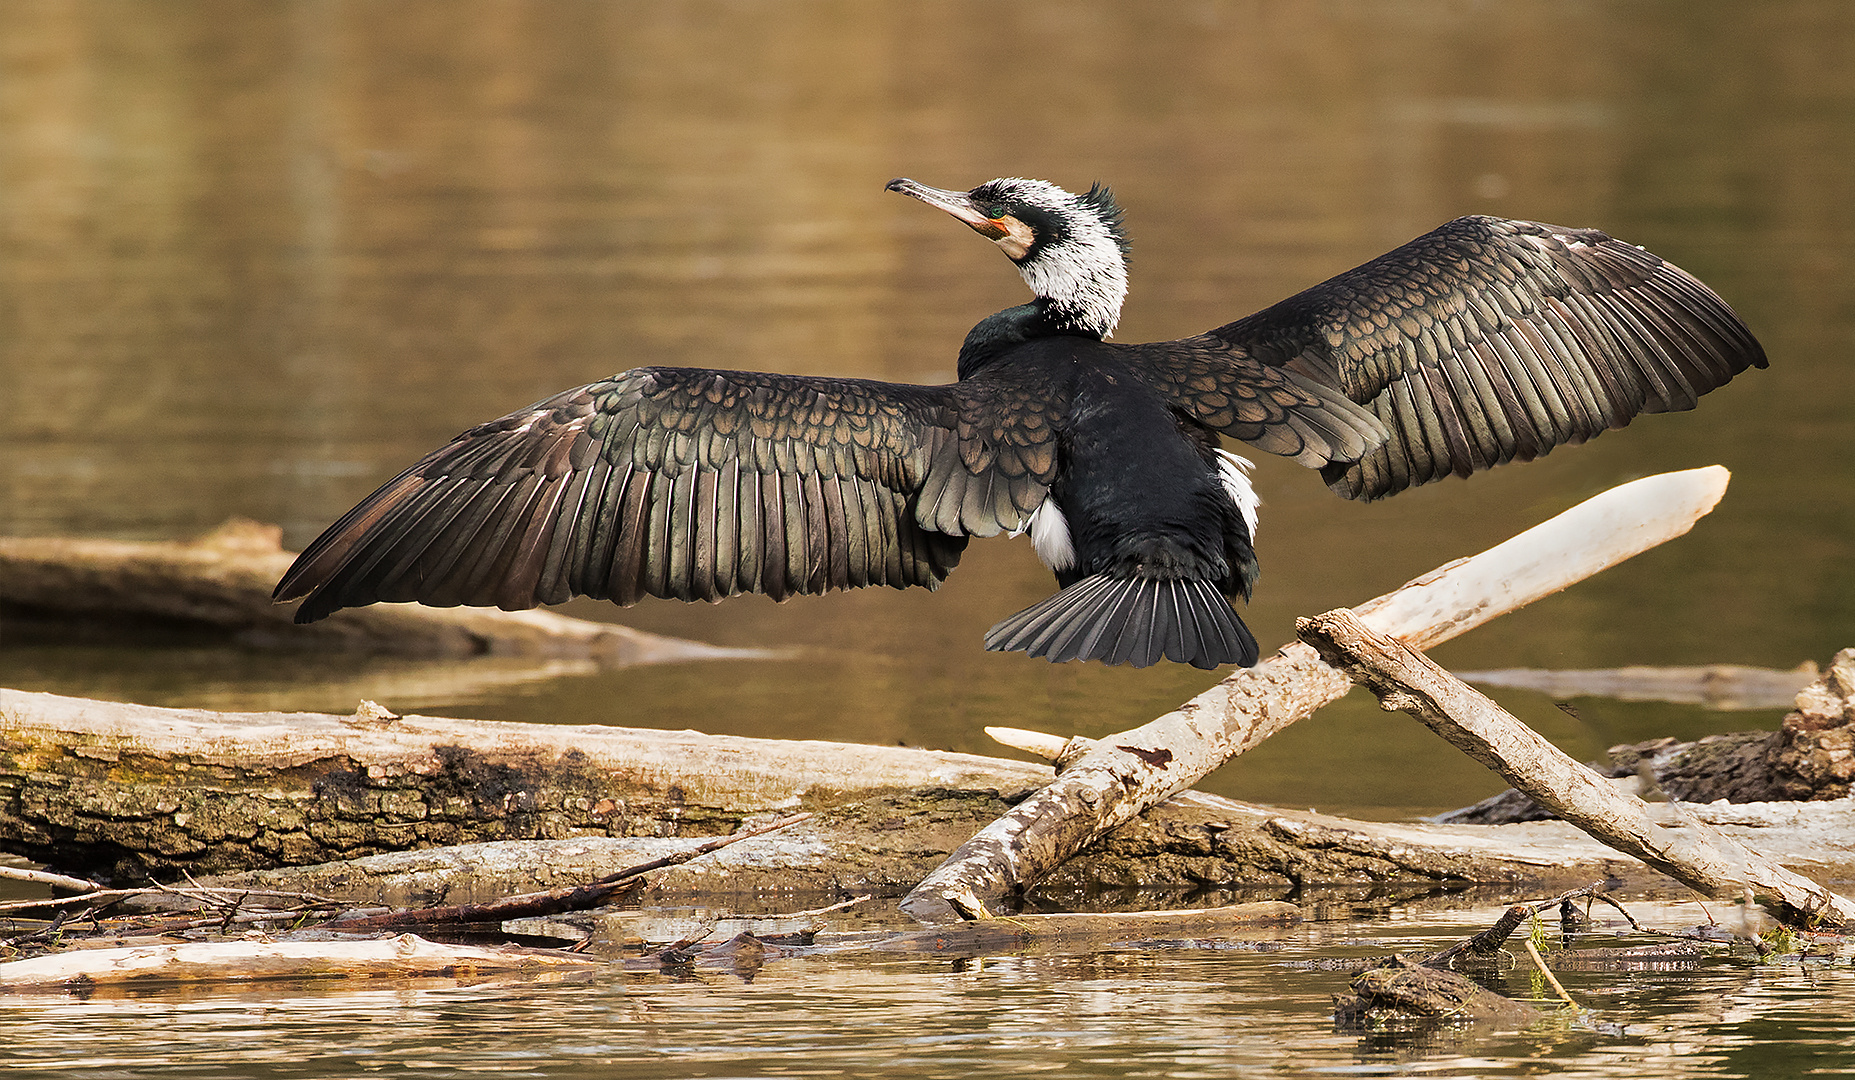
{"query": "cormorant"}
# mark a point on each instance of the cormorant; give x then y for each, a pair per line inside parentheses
(1484, 341)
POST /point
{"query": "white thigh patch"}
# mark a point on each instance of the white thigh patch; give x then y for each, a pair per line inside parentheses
(1049, 531)
(1234, 471)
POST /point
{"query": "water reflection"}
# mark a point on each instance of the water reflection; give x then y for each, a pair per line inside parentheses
(1124, 1011)
(256, 257)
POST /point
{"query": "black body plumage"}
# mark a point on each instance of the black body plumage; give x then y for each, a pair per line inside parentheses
(1481, 342)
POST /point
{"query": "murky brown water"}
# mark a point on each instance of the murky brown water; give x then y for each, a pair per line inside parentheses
(255, 257)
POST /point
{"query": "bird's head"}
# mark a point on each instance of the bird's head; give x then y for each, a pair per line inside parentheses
(1070, 249)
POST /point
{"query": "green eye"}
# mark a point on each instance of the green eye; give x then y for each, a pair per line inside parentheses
(995, 212)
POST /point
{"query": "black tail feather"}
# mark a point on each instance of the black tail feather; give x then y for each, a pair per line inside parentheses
(1138, 621)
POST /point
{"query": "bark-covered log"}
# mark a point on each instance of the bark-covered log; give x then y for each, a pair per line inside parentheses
(1406, 680)
(129, 792)
(1816, 746)
(135, 790)
(223, 580)
(1190, 843)
(1106, 782)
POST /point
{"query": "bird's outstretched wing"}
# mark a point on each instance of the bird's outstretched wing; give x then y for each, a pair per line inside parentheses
(1490, 340)
(669, 482)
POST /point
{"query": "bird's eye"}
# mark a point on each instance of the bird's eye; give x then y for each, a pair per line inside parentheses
(995, 212)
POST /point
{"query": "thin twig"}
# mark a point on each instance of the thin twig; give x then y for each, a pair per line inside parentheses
(216, 898)
(1540, 963)
(701, 849)
(1627, 917)
(70, 901)
(852, 902)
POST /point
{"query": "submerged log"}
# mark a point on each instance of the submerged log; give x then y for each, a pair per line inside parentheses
(1722, 687)
(1405, 993)
(1107, 782)
(223, 581)
(1022, 934)
(1711, 864)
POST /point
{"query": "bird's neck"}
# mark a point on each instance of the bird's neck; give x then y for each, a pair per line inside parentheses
(998, 334)
(1081, 282)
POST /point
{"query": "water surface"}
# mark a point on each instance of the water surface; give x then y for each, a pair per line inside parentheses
(1237, 1008)
(256, 257)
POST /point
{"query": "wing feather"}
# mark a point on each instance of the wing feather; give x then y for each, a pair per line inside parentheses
(663, 482)
(1490, 340)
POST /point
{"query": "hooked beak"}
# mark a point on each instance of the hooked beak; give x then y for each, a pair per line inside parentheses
(957, 203)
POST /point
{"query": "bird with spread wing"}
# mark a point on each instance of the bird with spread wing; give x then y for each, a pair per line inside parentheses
(1481, 342)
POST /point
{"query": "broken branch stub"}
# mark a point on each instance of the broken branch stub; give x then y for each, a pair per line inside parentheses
(1119, 776)
(1406, 680)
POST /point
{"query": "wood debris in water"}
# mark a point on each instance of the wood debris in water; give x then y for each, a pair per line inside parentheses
(1107, 782)
(86, 971)
(1724, 687)
(223, 581)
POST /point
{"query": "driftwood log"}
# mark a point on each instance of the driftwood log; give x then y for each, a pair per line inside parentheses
(1105, 783)
(141, 968)
(151, 966)
(1696, 855)
(223, 581)
(1722, 687)
(131, 792)
(128, 793)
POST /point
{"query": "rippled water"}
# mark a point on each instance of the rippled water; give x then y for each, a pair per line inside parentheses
(1201, 1009)
(257, 256)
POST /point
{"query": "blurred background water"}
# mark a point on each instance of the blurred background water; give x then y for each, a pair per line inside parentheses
(255, 257)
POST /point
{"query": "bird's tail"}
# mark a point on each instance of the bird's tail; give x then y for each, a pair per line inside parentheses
(1138, 621)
